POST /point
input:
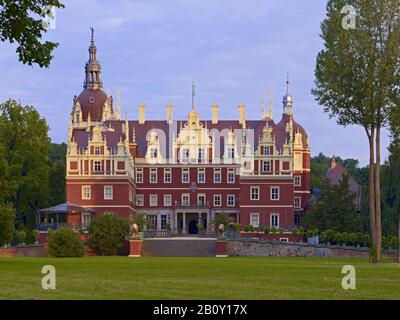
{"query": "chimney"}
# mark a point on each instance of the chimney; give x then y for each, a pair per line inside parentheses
(170, 113)
(141, 109)
(214, 113)
(242, 110)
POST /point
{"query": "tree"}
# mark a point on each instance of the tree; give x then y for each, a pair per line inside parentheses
(65, 243)
(221, 218)
(335, 210)
(356, 79)
(25, 143)
(108, 233)
(22, 22)
(7, 217)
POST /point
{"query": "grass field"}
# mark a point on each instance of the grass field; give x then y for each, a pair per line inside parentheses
(197, 278)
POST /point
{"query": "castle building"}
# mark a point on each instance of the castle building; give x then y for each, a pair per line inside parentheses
(183, 173)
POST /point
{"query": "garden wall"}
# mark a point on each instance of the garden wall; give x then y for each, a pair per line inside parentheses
(281, 249)
(26, 251)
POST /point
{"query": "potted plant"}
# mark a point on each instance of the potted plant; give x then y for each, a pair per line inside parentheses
(36, 235)
(21, 237)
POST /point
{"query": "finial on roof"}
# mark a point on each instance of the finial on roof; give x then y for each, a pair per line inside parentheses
(287, 84)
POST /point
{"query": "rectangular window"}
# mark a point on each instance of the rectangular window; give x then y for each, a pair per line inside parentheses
(139, 175)
(140, 200)
(201, 176)
(255, 220)
(201, 154)
(185, 175)
(185, 200)
(231, 176)
(108, 192)
(231, 200)
(185, 154)
(163, 221)
(231, 153)
(217, 200)
(201, 200)
(274, 220)
(255, 193)
(266, 151)
(167, 200)
(86, 192)
(274, 193)
(217, 176)
(153, 200)
(97, 151)
(85, 220)
(153, 153)
(167, 175)
(266, 166)
(152, 220)
(297, 202)
(97, 166)
(297, 219)
(297, 181)
(153, 175)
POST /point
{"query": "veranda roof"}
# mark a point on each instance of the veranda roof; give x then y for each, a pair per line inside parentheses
(66, 208)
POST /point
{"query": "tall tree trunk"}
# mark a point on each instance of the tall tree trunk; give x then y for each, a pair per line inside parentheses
(378, 195)
(371, 138)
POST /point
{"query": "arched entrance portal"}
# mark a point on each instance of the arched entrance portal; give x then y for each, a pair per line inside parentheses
(193, 227)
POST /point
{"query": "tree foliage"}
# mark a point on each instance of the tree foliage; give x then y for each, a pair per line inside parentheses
(108, 233)
(335, 209)
(25, 147)
(7, 217)
(21, 22)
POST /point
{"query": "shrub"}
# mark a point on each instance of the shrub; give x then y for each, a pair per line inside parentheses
(235, 227)
(108, 233)
(7, 226)
(295, 231)
(338, 238)
(394, 242)
(323, 238)
(301, 231)
(330, 236)
(221, 218)
(249, 228)
(266, 230)
(274, 230)
(21, 236)
(65, 243)
(312, 233)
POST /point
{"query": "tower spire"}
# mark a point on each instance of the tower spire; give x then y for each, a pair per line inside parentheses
(193, 94)
(264, 114)
(93, 68)
(287, 83)
(270, 104)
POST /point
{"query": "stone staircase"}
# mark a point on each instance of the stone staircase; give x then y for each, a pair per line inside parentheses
(179, 247)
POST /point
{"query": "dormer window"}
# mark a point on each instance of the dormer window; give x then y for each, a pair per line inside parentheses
(185, 153)
(97, 151)
(266, 151)
(153, 153)
(231, 153)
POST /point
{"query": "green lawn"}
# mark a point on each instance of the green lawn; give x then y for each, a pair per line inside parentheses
(197, 278)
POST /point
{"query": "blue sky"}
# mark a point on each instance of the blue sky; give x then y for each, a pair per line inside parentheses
(152, 50)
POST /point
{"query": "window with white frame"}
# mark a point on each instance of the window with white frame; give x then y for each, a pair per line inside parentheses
(139, 175)
(266, 165)
(86, 192)
(297, 181)
(153, 153)
(140, 200)
(153, 200)
(217, 176)
(255, 193)
(201, 154)
(201, 176)
(163, 221)
(217, 200)
(274, 193)
(231, 153)
(153, 175)
(97, 166)
(201, 200)
(255, 220)
(231, 176)
(185, 175)
(185, 154)
(167, 200)
(185, 200)
(152, 219)
(108, 192)
(297, 202)
(266, 151)
(97, 151)
(231, 200)
(85, 220)
(274, 220)
(167, 175)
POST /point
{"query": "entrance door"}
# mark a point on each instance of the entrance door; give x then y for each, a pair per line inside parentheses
(193, 227)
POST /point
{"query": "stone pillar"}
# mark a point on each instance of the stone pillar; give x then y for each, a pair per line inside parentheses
(212, 222)
(184, 222)
(175, 225)
(135, 248)
(208, 221)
